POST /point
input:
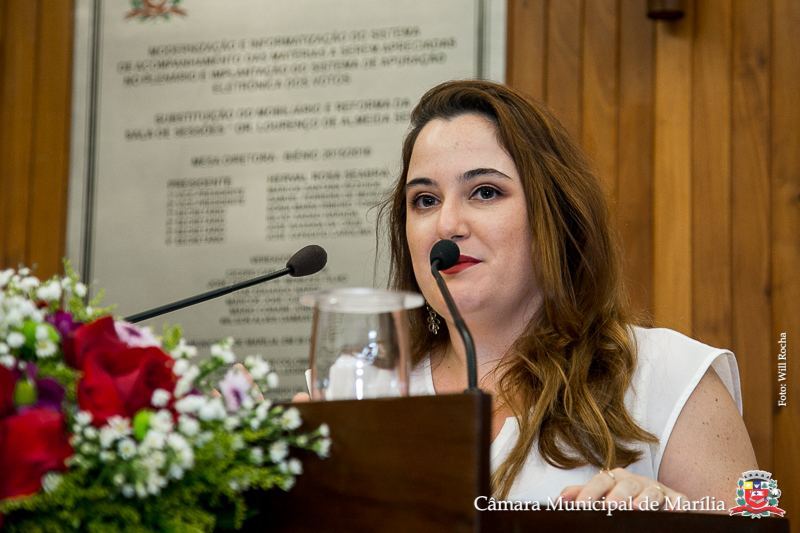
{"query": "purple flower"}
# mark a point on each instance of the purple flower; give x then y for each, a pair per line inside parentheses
(135, 337)
(235, 389)
(62, 321)
(49, 392)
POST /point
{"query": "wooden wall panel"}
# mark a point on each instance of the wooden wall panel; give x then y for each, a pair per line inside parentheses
(785, 186)
(750, 219)
(672, 214)
(601, 87)
(634, 211)
(49, 161)
(711, 173)
(563, 88)
(527, 37)
(16, 117)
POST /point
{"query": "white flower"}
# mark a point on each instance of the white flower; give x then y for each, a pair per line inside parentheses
(46, 348)
(237, 443)
(324, 430)
(222, 353)
(14, 318)
(83, 418)
(154, 439)
(257, 366)
(42, 332)
(155, 483)
(107, 436)
(213, 410)
(204, 438)
(88, 448)
(288, 483)
(3, 348)
(5, 275)
(188, 426)
(155, 460)
(128, 491)
(291, 418)
(162, 421)
(177, 442)
(107, 456)
(15, 339)
(186, 457)
(233, 485)
(89, 311)
(28, 283)
(126, 448)
(51, 481)
(118, 479)
(231, 423)
(263, 409)
(272, 380)
(180, 367)
(50, 292)
(295, 466)
(183, 350)
(7, 361)
(186, 382)
(141, 491)
(120, 425)
(90, 433)
(190, 404)
(257, 455)
(80, 290)
(323, 447)
(255, 423)
(24, 271)
(278, 451)
(160, 398)
(175, 471)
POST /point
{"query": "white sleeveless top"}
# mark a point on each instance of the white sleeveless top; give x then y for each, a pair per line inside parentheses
(670, 366)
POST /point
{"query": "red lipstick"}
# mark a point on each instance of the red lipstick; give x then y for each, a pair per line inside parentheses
(464, 262)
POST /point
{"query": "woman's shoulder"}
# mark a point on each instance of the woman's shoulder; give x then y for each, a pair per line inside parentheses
(420, 382)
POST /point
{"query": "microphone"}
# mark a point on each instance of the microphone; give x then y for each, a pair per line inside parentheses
(305, 262)
(444, 255)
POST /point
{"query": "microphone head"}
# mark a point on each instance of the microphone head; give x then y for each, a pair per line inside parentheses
(307, 261)
(446, 253)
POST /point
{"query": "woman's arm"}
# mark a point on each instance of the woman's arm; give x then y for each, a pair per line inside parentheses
(709, 447)
(707, 452)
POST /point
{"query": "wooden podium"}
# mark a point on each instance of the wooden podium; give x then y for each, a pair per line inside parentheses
(417, 464)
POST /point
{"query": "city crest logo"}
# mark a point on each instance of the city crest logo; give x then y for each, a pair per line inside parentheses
(153, 9)
(757, 495)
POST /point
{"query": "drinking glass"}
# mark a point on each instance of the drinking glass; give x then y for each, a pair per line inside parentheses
(360, 345)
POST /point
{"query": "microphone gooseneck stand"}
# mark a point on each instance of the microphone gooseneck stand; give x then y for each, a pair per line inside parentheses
(305, 262)
(444, 255)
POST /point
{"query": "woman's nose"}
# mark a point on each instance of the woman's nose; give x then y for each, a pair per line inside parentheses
(452, 223)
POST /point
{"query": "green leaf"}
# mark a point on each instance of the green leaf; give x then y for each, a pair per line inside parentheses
(741, 482)
(740, 493)
(740, 501)
(773, 502)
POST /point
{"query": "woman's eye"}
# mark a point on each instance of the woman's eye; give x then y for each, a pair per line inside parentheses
(487, 193)
(424, 201)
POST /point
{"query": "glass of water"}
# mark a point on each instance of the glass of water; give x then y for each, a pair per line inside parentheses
(360, 346)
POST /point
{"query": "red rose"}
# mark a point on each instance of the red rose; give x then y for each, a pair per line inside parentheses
(32, 443)
(98, 334)
(122, 382)
(7, 385)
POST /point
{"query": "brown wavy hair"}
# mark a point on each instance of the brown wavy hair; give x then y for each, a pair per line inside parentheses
(566, 377)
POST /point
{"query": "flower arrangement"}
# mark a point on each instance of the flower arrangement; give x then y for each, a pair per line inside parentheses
(106, 427)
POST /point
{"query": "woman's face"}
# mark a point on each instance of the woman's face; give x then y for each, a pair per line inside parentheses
(463, 186)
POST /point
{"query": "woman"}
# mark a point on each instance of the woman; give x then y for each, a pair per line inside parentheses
(586, 404)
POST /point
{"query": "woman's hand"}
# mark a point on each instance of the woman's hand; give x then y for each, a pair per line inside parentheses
(618, 485)
(301, 397)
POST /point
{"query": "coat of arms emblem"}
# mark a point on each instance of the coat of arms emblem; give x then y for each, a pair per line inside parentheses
(757, 495)
(152, 9)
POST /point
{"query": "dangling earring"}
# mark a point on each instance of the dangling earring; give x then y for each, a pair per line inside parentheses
(433, 320)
